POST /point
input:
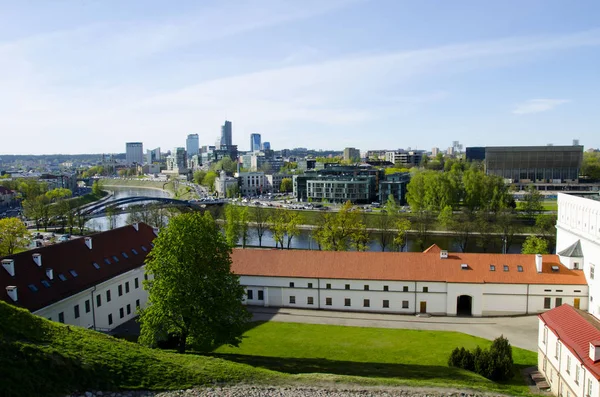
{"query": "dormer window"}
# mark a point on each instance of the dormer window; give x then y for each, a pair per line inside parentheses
(520, 268)
(62, 277)
(134, 251)
(464, 266)
(492, 268)
(505, 267)
(97, 266)
(555, 269)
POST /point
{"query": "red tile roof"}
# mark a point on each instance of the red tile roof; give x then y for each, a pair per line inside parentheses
(74, 255)
(411, 266)
(576, 329)
(4, 190)
(434, 249)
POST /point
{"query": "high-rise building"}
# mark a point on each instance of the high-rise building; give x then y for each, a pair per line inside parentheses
(266, 146)
(226, 140)
(255, 142)
(153, 156)
(134, 153)
(351, 154)
(192, 145)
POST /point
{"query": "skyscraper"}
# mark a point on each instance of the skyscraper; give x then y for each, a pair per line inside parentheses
(266, 146)
(226, 134)
(255, 142)
(153, 156)
(192, 145)
(134, 153)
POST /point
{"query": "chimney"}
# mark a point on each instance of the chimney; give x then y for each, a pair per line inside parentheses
(88, 242)
(50, 273)
(136, 226)
(37, 258)
(156, 230)
(594, 350)
(12, 292)
(538, 263)
(9, 265)
(443, 254)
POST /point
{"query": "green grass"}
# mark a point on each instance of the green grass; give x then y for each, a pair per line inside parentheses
(413, 357)
(40, 357)
(85, 199)
(131, 182)
(548, 205)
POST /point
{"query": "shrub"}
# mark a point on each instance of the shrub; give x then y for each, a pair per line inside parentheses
(455, 360)
(495, 363)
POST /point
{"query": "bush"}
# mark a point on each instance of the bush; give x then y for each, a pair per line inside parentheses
(495, 363)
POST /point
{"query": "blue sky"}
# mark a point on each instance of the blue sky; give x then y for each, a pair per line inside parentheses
(86, 76)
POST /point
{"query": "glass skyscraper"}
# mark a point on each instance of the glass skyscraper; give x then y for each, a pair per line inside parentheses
(255, 142)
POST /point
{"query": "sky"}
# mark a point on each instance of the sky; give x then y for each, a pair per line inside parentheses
(86, 76)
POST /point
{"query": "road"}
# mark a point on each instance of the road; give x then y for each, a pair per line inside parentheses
(521, 331)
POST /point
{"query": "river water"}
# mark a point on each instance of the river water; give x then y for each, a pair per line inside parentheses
(304, 240)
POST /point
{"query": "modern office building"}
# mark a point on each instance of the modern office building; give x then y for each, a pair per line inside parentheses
(192, 145)
(404, 158)
(535, 164)
(351, 154)
(252, 183)
(177, 161)
(134, 153)
(266, 146)
(255, 145)
(153, 156)
(394, 185)
(226, 139)
(475, 154)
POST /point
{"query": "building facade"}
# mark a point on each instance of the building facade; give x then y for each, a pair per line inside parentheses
(266, 146)
(192, 145)
(255, 144)
(224, 183)
(153, 156)
(226, 135)
(134, 153)
(351, 154)
(409, 158)
(252, 183)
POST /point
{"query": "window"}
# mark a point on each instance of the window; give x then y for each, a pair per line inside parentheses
(577, 290)
(87, 306)
(520, 268)
(366, 303)
(97, 266)
(292, 299)
(98, 300)
(405, 288)
(547, 303)
(592, 271)
(425, 289)
(291, 284)
(45, 283)
(492, 268)
(115, 258)
(386, 288)
(127, 287)
(136, 283)
(261, 295)
(347, 286)
(250, 294)
(32, 287)
(120, 289)
(577, 370)
(146, 277)
(589, 388)
(125, 255)
(62, 277)
(61, 317)
(309, 285)
(310, 300)
(544, 364)
(545, 335)
(557, 349)
(366, 287)
(505, 267)
(137, 303)
(386, 303)
(558, 302)
(576, 265)
(547, 290)
(108, 295)
(328, 286)
(73, 273)
(559, 290)
(121, 313)
(107, 261)
(76, 311)
(328, 302)
(110, 319)
(144, 249)
(128, 309)
(347, 302)
(405, 304)
(568, 363)
(134, 251)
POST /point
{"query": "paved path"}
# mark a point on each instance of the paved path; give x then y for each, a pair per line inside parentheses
(521, 331)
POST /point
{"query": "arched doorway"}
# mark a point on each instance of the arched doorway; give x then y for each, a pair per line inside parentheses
(464, 304)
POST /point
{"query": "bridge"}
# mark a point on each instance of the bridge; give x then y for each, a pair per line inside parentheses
(99, 208)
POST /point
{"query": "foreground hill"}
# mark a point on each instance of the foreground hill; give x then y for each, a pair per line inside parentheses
(40, 357)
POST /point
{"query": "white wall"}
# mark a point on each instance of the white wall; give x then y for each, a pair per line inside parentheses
(66, 306)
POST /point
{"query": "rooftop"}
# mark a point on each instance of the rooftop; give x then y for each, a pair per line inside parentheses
(74, 266)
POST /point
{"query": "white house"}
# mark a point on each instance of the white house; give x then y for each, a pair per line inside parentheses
(434, 281)
(93, 282)
(569, 351)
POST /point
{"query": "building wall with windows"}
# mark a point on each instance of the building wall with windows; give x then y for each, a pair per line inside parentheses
(252, 183)
(359, 189)
(134, 153)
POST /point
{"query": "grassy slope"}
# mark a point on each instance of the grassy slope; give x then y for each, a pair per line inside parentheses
(132, 183)
(394, 355)
(85, 199)
(39, 357)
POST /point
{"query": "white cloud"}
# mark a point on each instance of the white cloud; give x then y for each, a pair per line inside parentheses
(538, 105)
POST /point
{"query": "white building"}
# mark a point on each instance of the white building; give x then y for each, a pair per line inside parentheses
(134, 153)
(274, 182)
(93, 282)
(252, 183)
(432, 282)
(223, 183)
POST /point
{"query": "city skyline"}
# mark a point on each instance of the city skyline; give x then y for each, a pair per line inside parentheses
(86, 78)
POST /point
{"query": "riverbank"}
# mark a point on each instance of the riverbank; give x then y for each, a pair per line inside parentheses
(137, 184)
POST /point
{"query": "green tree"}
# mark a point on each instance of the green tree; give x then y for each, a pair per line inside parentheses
(209, 180)
(484, 225)
(81, 219)
(36, 208)
(278, 226)
(403, 225)
(338, 231)
(13, 236)
(111, 216)
(545, 226)
(260, 217)
(385, 222)
(199, 177)
(532, 201)
(590, 167)
(534, 245)
(96, 189)
(286, 185)
(58, 194)
(291, 229)
(232, 225)
(422, 222)
(192, 293)
(507, 225)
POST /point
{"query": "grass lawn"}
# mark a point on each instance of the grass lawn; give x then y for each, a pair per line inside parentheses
(411, 357)
(547, 205)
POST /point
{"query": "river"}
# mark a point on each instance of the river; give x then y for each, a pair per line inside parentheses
(304, 240)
